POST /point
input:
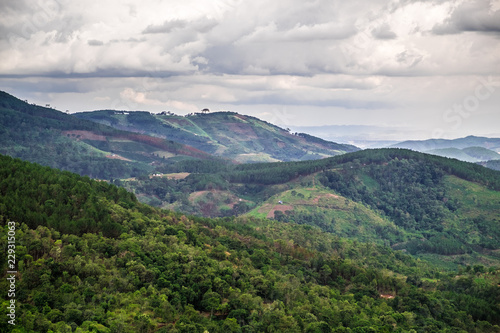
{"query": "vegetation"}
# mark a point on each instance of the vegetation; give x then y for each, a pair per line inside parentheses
(112, 264)
(468, 149)
(224, 134)
(62, 141)
(420, 203)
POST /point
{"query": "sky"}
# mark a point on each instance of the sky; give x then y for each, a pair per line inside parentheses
(420, 69)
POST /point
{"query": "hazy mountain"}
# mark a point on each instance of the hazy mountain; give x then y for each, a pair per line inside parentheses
(461, 143)
(359, 135)
(469, 149)
(224, 134)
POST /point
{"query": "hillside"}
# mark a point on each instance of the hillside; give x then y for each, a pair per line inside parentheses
(62, 141)
(90, 258)
(421, 203)
(224, 134)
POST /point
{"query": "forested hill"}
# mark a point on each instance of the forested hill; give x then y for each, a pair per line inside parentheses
(92, 259)
(422, 203)
(224, 134)
(62, 141)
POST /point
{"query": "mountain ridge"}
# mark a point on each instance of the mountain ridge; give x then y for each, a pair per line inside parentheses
(225, 134)
(61, 140)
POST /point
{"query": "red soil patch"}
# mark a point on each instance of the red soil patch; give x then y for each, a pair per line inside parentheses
(264, 208)
(165, 145)
(328, 195)
(85, 135)
(282, 208)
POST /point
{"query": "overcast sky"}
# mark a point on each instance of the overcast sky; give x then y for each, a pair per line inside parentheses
(427, 68)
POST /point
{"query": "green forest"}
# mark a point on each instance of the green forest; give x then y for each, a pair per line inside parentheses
(416, 202)
(91, 258)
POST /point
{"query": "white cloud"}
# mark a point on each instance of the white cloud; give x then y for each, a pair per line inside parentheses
(356, 61)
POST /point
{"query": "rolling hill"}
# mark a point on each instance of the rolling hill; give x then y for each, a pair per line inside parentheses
(224, 134)
(424, 204)
(91, 258)
(63, 141)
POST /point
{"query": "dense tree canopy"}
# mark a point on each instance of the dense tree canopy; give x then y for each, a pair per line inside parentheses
(92, 259)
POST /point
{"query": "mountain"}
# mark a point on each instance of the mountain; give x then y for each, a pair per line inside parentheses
(469, 149)
(461, 143)
(482, 154)
(359, 135)
(493, 164)
(90, 258)
(224, 134)
(424, 204)
(63, 141)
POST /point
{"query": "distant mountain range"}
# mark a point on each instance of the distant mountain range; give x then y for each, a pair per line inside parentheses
(223, 134)
(469, 149)
(469, 141)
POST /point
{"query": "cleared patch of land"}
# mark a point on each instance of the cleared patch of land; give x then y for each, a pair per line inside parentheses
(177, 176)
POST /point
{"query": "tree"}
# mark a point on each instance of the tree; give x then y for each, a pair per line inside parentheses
(211, 301)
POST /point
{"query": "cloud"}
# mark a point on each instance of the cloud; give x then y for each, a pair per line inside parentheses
(383, 32)
(474, 16)
(352, 60)
(166, 27)
(95, 42)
